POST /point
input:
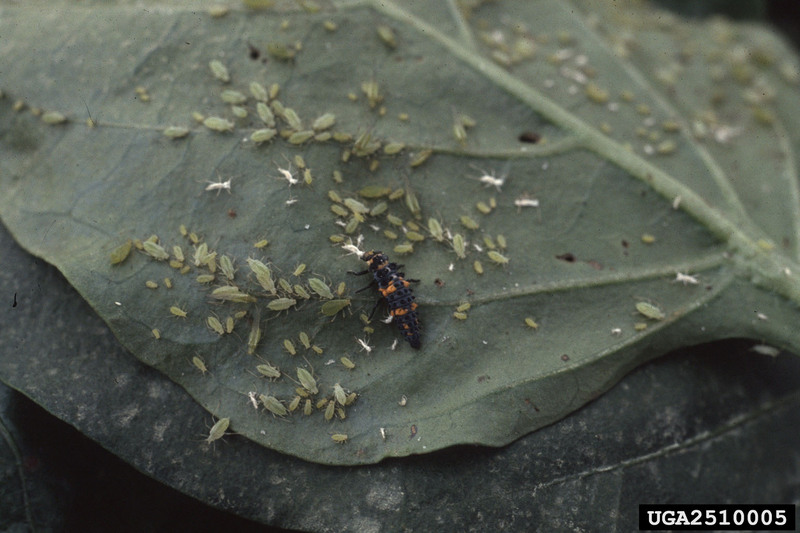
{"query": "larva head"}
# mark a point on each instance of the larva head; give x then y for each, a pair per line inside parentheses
(376, 259)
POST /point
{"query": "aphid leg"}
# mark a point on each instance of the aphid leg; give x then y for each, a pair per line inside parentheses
(365, 288)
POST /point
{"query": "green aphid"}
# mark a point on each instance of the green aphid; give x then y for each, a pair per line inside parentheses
(229, 324)
(280, 51)
(229, 293)
(394, 220)
(218, 430)
(435, 229)
(374, 191)
(299, 137)
(308, 408)
(54, 118)
(299, 270)
(501, 242)
(378, 209)
(155, 251)
(176, 132)
(355, 206)
(404, 248)
(301, 292)
(292, 119)
(459, 246)
(177, 251)
(214, 323)
(307, 380)
(285, 285)
(199, 364)
(263, 135)
(460, 316)
(420, 157)
(218, 124)
(219, 71)
(288, 345)
(226, 265)
(415, 236)
(393, 148)
(273, 405)
(156, 333)
(348, 364)
(229, 96)
(265, 114)
(331, 307)
(177, 311)
(469, 222)
(339, 210)
(323, 122)
(205, 278)
(268, 370)
(304, 340)
(339, 394)
(464, 307)
(497, 257)
(320, 287)
(330, 409)
(263, 274)
(255, 332)
(339, 438)
(412, 203)
(294, 404)
(121, 252)
(386, 35)
(281, 304)
(650, 311)
(258, 91)
(478, 267)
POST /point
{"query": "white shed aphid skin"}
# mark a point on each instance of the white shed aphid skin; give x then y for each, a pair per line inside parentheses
(288, 175)
(364, 345)
(616, 331)
(489, 179)
(525, 201)
(218, 430)
(686, 279)
(253, 400)
(219, 186)
(307, 380)
(394, 345)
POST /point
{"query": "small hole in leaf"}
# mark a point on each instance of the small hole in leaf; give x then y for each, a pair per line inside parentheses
(568, 257)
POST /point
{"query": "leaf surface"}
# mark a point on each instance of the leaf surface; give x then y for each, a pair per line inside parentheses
(643, 165)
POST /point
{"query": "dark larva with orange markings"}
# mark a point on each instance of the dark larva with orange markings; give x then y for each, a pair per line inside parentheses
(398, 294)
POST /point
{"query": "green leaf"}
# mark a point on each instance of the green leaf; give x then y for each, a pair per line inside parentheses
(643, 165)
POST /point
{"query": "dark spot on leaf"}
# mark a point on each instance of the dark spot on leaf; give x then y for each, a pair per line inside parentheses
(529, 137)
(568, 257)
(531, 404)
(232, 213)
(483, 378)
(15, 300)
(255, 53)
(624, 243)
(413, 431)
(565, 357)
(438, 282)
(597, 265)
